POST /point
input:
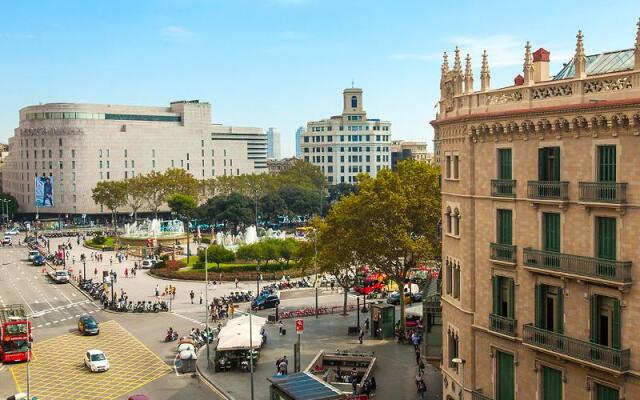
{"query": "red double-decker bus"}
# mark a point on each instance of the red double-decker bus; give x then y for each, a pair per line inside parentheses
(368, 282)
(15, 334)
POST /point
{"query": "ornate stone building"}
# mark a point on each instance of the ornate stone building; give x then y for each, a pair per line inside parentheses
(541, 213)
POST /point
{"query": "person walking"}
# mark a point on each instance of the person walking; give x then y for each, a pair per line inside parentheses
(232, 310)
(236, 282)
(192, 295)
(126, 272)
(201, 297)
(361, 335)
(157, 290)
(95, 272)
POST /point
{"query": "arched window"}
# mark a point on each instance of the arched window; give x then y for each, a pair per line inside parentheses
(449, 220)
(354, 102)
(456, 222)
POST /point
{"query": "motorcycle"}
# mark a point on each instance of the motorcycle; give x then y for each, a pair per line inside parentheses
(171, 336)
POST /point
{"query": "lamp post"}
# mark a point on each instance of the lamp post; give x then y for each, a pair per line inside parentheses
(460, 362)
(206, 301)
(315, 265)
(251, 350)
(84, 268)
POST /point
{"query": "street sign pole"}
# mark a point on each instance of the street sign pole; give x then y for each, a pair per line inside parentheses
(297, 351)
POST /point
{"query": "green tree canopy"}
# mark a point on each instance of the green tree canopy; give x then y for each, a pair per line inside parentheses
(233, 209)
(12, 204)
(110, 194)
(217, 254)
(136, 193)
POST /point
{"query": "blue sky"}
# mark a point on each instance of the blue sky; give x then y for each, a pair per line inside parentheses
(280, 62)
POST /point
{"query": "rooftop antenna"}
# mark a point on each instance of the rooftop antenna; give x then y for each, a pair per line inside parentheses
(352, 84)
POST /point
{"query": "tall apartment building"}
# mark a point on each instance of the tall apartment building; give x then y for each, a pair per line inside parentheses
(405, 150)
(299, 133)
(78, 145)
(4, 153)
(541, 211)
(348, 144)
(273, 144)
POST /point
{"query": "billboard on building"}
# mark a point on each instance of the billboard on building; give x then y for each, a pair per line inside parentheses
(44, 191)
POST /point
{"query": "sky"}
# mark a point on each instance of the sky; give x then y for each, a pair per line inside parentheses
(282, 63)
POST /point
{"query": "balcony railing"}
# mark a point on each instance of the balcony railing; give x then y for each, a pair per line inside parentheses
(585, 351)
(478, 395)
(503, 188)
(498, 323)
(502, 252)
(603, 192)
(618, 272)
(548, 190)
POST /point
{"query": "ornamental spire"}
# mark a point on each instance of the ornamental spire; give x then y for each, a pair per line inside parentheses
(580, 60)
(457, 65)
(637, 51)
(528, 65)
(484, 73)
(468, 76)
(445, 64)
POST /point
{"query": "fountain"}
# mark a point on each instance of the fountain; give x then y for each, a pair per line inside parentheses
(160, 232)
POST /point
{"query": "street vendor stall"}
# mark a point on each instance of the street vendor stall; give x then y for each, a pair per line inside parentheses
(238, 343)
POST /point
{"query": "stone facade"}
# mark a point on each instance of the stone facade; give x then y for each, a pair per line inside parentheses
(530, 309)
(79, 145)
(346, 145)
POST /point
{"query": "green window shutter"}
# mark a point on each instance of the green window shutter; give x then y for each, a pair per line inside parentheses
(606, 393)
(559, 320)
(505, 379)
(616, 339)
(540, 293)
(505, 227)
(556, 164)
(512, 299)
(594, 308)
(542, 164)
(606, 163)
(504, 168)
(551, 226)
(551, 384)
(606, 234)
(495, 280)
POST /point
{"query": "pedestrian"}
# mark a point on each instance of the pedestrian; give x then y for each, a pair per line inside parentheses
(115, 277)
(133, 272)
(157, 290)
(192, 295)
(73, 260)
(418, 357)
(281, 330)
(361, 335)
(366, 325)
(232, 310)
(201, 297)
(111, 261)
(422, 388)
(126, 272)
(236, 281)
(421, 366)
(135, 265)
(415, 339)
(95, 271)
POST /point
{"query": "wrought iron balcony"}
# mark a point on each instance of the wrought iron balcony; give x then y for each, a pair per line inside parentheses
(603, 192)
(591, 353)
(502, 252)
(478, 395)
(503, 188)
(504, 325)
(548, 190)
(589, 268)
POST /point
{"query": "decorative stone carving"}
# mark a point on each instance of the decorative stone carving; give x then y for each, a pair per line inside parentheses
(502, 98)
(552, 91)
(51, 131)
(608, 85)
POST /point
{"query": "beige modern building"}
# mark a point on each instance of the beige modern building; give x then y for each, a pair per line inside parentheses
(348, 144)
(78, 145)
(406, 150)
(541, 213)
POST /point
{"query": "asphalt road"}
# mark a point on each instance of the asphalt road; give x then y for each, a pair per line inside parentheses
(55, 308)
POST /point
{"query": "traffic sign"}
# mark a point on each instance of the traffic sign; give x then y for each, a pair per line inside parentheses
(299, 326)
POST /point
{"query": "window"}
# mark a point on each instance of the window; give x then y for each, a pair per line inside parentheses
(606, 393)
(449, 277)
(60, 153)
(551, 381)
(354, 102)
(73, 153)
(505, 376)
(504, 164)
(306, 139)
(606, 163)
(455, 172)
(549, 308)
(447, 166)
(605, 321)
(606, 238)
(504, 227)
(551, 232)
(549, 164)
(125, 152)
(153, 163)
(59, 141)
(453, 346)
(503, 296)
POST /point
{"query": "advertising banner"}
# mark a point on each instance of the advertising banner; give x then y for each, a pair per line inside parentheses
(44, 191)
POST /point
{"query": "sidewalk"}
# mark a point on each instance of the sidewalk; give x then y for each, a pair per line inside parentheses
(394, 371)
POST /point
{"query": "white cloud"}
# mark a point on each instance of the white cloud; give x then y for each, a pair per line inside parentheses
(177, 33)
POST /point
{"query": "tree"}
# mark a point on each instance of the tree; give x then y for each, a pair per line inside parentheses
(288, 249)
(336, 192)
(218, 254)
(153, 186)
(272, 206)
(10, 206)
(250, 252)
(234, 209)
(111, 194)
(136, 194)
(299, 200)
(184, 206)
(180, 181)
(391, 223)
(303, 174)
(269, 250)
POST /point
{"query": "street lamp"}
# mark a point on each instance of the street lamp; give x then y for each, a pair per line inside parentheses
(460, 362)
(84, 266)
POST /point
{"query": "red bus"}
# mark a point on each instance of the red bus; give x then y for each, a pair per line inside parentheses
(368, 282)
(15, 334)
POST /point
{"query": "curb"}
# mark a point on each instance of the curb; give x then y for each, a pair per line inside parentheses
(217, 389)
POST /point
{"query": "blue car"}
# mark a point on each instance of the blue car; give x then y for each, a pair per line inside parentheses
(38, 260)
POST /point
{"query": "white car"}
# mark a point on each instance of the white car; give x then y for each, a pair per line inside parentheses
(96, 361)
(147, 263)
(12, 232)
(59, 276)
(7, 241)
